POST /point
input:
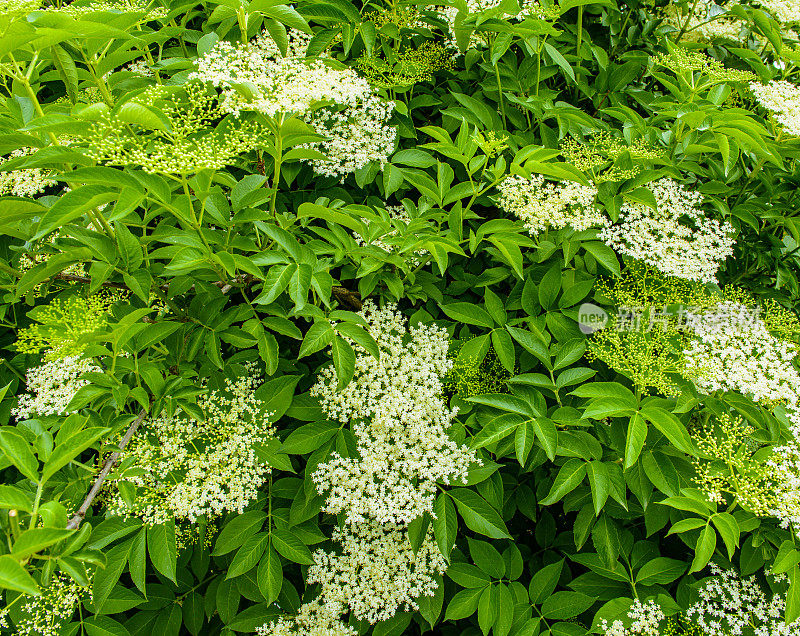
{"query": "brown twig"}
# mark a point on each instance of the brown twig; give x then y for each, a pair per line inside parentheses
(351, 298)
(75, 522)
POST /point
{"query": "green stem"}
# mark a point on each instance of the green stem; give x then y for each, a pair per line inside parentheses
(37, 499)
(500, 93)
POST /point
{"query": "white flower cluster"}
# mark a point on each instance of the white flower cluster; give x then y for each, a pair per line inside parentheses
(400, 419)
(338, 104)
(708, 22)
(734, 351)
(529, 8)
(52, 385)
(676, 238)
(396, 213)
(782, 99)
(27, 182)
(540, 205)
(785, 11)
(785, 477)
(377, 571)
(645, 620)
(183, 468)
(139, 67)
(312, 619)
(731, 605)
(44, 615)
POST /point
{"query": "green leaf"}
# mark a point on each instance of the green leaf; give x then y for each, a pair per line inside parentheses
(19, 453)
(468, 314)
(660, 571)
(569, 476)
(248, 555)
(634, 440)
(162, 548)
(13, 498)
(672, 428)
(479, 516)
(319, 336)
(467, 575)
(70, 448)
(270, 575)
(566, 605)
(14, 577)
(290, 547)
(35, 540)
(704, 550)
(104, 626)
(308, 437)
(238, 530)
(445, 524)
(344, 361)
(547, 434)
(499, 428)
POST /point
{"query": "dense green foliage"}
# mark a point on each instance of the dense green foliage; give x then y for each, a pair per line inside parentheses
(164, 238)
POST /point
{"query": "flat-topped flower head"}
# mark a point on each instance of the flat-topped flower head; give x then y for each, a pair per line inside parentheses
(400, 418)
(52, 385)
(376, 572)
(782, 99)
(181, 468)
(541, 205)
(730, 604)
(339, 105)
(26, 182)
(676, 237)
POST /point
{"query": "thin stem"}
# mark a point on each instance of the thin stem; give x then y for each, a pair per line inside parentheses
(76, 520)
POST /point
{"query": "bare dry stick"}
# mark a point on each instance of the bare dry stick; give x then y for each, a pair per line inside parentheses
(75, 522)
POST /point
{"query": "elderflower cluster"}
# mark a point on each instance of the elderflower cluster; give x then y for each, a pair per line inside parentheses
(400, 419)
(540, 205)
(139, 67)
(728, 445)
(182, 468)
(312, 619)
(27, 182)
(782, 99)
(377, 571)
(65, 326)
(10, 8)
(732, 350)
(784, 468)
(785, 11)
(399, 216)
(707, 22)
(681, 60)
(44, 615)
(339, 105)
(399, 416)
(645, 621)
(528, 8)
(676, 237)
(731, 605)
(52, 385)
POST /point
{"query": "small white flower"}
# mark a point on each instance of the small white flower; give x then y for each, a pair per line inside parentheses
(53, 385)
(540, 205)
(782, 99)
(676, 237)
